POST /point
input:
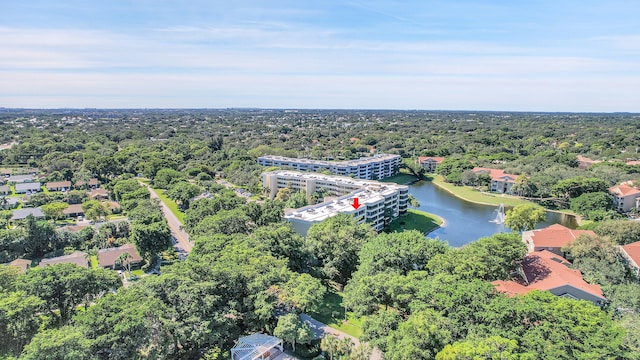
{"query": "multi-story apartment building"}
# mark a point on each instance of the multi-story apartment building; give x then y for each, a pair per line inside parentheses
(379, 202)
(625, 196)
(376, 167)
(430, 163)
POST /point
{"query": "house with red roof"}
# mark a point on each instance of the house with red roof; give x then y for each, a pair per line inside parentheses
(631, 253)
(429, 163)
(552, 238)
(625, 196)
(547, 271)
(501, 182)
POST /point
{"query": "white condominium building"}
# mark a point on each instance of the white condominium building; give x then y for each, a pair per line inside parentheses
(379, 202)
(376, 167)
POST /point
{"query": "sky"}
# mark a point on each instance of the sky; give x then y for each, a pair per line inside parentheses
(540, 55)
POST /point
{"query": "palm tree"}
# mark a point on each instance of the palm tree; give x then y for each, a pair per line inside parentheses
(90, 253)
(361, 352)
(330, 344)
(124, 260)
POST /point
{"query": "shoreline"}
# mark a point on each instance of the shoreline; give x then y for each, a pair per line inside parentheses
(576, 216)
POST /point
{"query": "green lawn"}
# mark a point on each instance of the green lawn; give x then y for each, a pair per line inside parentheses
(332, 313)
(473, 195)
(170, 204)
(401, 179)
(94, 262)
(416, 220)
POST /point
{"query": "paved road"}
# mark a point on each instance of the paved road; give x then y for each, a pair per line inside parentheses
(183, 245)
(321, 330)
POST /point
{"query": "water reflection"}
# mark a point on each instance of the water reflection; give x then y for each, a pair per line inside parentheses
(465, 221)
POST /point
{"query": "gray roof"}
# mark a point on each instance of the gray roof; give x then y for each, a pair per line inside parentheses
(79, 258)
(20, 178)
(24, 212)
(28, 186)
(4, 189)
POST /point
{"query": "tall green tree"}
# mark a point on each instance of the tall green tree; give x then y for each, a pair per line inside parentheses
(65, 286)
(524, 217)
(334, 245)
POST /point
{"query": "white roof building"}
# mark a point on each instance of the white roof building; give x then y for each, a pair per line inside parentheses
(256, 346)
(379, 202)
(375, 167)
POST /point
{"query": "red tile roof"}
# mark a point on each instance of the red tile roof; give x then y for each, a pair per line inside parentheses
(545, 270)
(633, 251)
(437, 159)
(496, 174)
(556, 235)
(625, 189)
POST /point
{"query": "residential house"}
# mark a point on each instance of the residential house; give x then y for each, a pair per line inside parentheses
(22, 214)
(79, 258)
(631, 253)
(114, 206)
(5, 190)
(501, 182)
(429, 163)
(584, 162)
(257, 347)
(22, 264)
(107, 258)
(25, 188)
(7, 203)
(58, 185)
(93, 183)
(552, 238)
(19, 179)
(625, 196)
(99, 194)
(547, 271)
(73, 211)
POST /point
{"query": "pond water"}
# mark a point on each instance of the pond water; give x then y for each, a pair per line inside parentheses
(465, 221)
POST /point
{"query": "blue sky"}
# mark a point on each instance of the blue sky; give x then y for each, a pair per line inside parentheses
(446, 55)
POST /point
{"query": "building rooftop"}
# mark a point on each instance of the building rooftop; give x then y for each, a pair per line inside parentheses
(73, 209)
(79, 258)
(58, 184)
(545, 270)
(555, 235)
(361, 161)
(27, 186)
(625, 189)
(108, 257)
(20, 178)
(633, 251)
(24, 212)
(496, 174)
(437, 159)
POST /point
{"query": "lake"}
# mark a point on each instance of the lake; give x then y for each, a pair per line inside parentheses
(465, 221)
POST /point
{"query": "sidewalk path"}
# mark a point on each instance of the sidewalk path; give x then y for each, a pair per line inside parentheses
(321, 330)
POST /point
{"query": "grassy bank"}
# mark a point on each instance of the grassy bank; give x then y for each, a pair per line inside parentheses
(402, 179)
(475, 196)
(170, 204)
(416, 220)
(332, 313)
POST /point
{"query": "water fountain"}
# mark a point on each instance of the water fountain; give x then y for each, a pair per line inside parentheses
(500, 215)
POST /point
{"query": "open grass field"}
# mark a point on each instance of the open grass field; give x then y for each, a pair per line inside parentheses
(332, 313)
(402, 179)
(416, 220)
(475, 196)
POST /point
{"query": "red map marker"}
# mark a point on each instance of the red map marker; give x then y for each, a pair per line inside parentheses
(355, 204)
